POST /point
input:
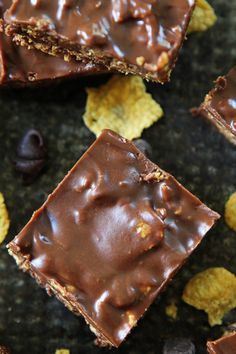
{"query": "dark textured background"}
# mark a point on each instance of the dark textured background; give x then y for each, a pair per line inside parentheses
(197, 155)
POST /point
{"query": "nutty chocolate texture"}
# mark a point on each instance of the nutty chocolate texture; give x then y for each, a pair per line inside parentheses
(139, 37)
(220, 105)
(224, 345)
(111, 236)
(18, 65)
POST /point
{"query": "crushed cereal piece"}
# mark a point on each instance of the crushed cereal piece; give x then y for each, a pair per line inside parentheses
(143, 230)
(172, 311)
(214, 291)
(140, 60)
(62, 351)
(203, 17)
(230, 212)
(4, 219)
(122, 105)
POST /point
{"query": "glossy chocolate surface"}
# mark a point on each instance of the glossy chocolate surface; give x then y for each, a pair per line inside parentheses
(224, 345)
(113, 234)
(20, 65)
(138, 32)
(222, 100)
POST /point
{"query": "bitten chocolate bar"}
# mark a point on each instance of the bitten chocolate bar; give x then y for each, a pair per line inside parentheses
(20, 66)
(219, 106)
(138, 37)
(111, 236)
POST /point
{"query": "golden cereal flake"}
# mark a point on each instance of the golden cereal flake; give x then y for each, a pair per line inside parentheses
(62, 351)
(4, 219)
(214, 291)
(230, 212)
(122, 105)
(203, 17)
(172, 310)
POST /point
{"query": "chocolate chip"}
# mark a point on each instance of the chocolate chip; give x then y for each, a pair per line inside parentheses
(179, 346)
(31, 155)
(31, 146)
(143, 146)
(29, 167)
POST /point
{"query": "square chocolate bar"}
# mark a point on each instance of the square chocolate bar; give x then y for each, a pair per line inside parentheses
(21, 66)
(111, 236)
(138, 37)
(224, 345)
(219, 106)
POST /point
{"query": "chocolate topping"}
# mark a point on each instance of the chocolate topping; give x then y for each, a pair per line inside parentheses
(20, 65)
(112, 234)
(221, 101)
(147, 33)
(224, 345)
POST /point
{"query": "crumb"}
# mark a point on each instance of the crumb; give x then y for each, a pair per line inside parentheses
(155, 176)
(171, 310)
(230, 212)
(163, 61)
(214, 291)
(203, 17)
(131, 319)
(122, 105)
(140, 61)
(145, 289)
(4, 219)
(62, 351)
(143, 229)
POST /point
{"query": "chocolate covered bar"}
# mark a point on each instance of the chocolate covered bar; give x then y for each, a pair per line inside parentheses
(111, 236)
(220, 105)
(18, 65)
(138, 37)
(224, 345)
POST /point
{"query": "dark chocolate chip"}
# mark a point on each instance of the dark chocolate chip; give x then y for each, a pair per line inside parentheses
(31, 155)
(31, 146)
(29, 167)
(143, 146)
(179, 346)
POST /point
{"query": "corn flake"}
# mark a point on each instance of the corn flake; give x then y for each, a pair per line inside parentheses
(62, 351)
(214, 291)
(122, 105)
(4, 219)
(230, 212)
(203, 17)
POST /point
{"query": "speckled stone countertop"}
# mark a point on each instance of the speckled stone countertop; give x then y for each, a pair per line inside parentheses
(194, 152)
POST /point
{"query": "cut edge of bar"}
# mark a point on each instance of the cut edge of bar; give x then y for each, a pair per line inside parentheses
(31, 37)
(54, 288)
(213, 116)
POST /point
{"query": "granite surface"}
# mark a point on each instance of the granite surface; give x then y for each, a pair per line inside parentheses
(194, 152)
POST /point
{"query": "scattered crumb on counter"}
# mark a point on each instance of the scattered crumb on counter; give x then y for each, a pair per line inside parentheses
(122, 105)
(214, 291)
(172, 310)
